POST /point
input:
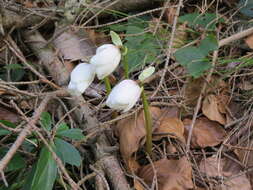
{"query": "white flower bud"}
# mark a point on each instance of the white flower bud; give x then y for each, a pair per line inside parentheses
(106, 60)
(124, 95)
(81, 77)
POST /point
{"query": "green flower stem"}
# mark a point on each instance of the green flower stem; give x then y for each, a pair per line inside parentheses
(125, 65)
(107, 85)
(148, 123)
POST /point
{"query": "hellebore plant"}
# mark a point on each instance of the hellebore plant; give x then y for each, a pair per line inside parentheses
(148, 118)
(105, 61)
(124, 95)
(80, 78)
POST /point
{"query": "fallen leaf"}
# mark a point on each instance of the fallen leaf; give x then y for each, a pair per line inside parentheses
(7, 115)
(193, 88)
(249, 41)
(245, 155)
(73, 47)
(170, 14)
(205, 132)
(131, 131)
(172, 127)
(171, 174)
(211, 110)
(245, 85)
(98, 38)
(228, 169)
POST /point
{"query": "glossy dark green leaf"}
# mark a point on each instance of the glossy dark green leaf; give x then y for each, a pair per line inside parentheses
(45, 173)
(17, 162)
(4, 132)
(46, 120)
(67, 152)
(75, 134)
(8, 123)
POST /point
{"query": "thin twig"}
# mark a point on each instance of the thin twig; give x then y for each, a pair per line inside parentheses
(20, 139)
(196, 110)
(235, 37)
(168, 54)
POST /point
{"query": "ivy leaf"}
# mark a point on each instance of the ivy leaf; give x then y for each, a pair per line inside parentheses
(208, 44)
(195, 20)
(75, 134)
(188, 54)
(193, 59)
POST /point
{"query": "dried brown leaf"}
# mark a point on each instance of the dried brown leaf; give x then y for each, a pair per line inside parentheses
(249, 41)
(172, 127)
(73, 47)
(245, 155)
(193, 88)
(210, 109)
(171, 174)
(205, 132)
(7, 115)
(214, 167)
(131, 131)
(245, 85)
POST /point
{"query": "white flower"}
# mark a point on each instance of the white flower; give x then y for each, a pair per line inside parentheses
(106, 60)
(81, 77)
(124, 95)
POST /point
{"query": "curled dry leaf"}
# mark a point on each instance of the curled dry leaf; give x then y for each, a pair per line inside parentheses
(131, 131)
(210, 109)
(8, 115)
(74, 46)
(245, 155)
(171, 174)
(170, 126)
(249, 41)
(193, 88)
(205, 132)
(228, 169)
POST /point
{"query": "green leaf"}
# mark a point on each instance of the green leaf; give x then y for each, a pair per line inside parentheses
(75, 134)
(142, 48)
(195, 20)
(196, 68)
(193, 59)
(115, 38)
(45, 173)
(8, 123)
(188, 54)
(13, 66)
(67, 152)
(62, 127)
(4, 132)
(146, 73)
(208, 44)
(246, 7)
(46, 120)
(17, 162)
